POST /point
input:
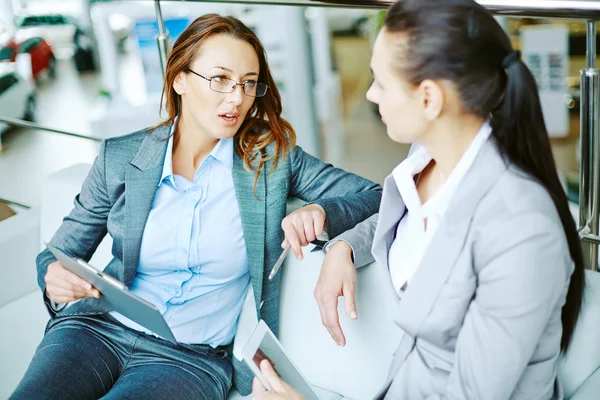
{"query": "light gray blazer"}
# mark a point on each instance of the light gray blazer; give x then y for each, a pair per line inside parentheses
(482, 315)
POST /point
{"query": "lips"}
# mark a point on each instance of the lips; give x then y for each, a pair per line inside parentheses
(230, 118)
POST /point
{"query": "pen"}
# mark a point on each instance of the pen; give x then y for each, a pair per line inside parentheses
(284, 253)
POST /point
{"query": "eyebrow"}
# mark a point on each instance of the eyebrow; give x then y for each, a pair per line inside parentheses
(231, 72)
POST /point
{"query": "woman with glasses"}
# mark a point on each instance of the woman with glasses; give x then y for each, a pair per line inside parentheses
(474, 229)
(196, 208)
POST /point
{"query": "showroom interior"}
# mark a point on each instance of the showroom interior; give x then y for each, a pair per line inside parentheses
(75, 72)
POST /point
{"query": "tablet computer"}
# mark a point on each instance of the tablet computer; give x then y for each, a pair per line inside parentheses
(263, 344)
(115, 295)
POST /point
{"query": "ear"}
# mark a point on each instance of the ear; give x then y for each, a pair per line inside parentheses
(432, 97)
(179, 83)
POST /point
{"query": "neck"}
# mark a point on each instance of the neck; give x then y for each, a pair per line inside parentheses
(192, 144)
(449, 138)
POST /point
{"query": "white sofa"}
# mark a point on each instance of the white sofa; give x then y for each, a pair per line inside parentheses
(21, 311)
(355, 371)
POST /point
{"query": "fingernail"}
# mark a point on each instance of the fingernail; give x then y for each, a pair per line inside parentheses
(353, 315)
(340, 344)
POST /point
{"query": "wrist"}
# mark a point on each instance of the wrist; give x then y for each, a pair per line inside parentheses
(341, 247)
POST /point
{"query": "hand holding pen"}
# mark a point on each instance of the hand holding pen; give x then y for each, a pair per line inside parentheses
(300, 228)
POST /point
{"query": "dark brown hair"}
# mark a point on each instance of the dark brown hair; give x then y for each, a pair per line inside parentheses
(263, 124)
(461, 42)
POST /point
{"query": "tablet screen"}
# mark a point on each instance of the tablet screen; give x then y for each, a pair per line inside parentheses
(270, 348)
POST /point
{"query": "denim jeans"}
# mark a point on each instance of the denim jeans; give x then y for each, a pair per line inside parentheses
(93, 357)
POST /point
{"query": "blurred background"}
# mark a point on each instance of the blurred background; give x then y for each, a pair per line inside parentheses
(92, 67)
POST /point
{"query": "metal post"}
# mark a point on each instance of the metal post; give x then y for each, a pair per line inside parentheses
(163, 40)
(589, 189)
(591, 45)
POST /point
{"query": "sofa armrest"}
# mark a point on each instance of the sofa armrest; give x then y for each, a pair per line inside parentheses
(19, 238)
(23, 322)
(583, 358)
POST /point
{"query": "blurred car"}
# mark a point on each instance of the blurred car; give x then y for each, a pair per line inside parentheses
(42, 56)
(57, 30)
(17, 95)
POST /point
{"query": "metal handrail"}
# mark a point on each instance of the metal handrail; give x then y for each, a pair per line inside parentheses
(30, 125)
(15, 203)
(162, 40)
(571, 9)
(589, 187)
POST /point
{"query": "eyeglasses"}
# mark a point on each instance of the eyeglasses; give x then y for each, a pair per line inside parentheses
(225, 85)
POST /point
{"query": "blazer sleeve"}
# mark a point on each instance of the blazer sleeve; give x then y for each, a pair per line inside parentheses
(346, 198)
(360, 239)
(84, 228)
(523, 273)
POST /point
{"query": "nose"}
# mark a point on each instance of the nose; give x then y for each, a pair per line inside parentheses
(371, 94)
(237, 96)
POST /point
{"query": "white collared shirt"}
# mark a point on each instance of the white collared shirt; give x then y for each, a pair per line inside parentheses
(412, 239)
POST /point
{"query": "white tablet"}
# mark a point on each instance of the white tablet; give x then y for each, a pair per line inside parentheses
(263, 344)
(116, 295)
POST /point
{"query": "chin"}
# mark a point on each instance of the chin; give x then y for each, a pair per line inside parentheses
(399, 138)
(395, 136)
(225, 133)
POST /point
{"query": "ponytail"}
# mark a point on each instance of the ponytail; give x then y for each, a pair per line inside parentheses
(519, 128)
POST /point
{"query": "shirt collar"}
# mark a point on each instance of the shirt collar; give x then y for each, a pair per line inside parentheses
(222, 152)
(167, 171)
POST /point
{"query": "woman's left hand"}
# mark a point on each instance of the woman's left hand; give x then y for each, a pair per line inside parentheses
(302, 227)
(279, 389)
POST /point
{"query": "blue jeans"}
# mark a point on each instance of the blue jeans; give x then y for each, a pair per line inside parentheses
(93, 357)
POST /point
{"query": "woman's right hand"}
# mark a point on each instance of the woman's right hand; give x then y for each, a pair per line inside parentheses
(63, 286)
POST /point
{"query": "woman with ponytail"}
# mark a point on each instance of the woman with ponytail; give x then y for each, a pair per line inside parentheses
(474, 226)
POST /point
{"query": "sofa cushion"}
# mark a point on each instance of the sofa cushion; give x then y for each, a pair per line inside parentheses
(589, 389)
(357, 370)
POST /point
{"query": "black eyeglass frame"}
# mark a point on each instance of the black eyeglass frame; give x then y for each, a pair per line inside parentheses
(243, 85)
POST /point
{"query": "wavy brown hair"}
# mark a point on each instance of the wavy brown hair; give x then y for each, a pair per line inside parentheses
(263, 124)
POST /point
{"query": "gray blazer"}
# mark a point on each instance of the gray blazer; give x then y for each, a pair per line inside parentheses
(117, 195)
(481, 318)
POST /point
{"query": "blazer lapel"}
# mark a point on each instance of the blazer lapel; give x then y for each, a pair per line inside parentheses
(450, 238)
(142, 176)
(252, 211)
(390, 211)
